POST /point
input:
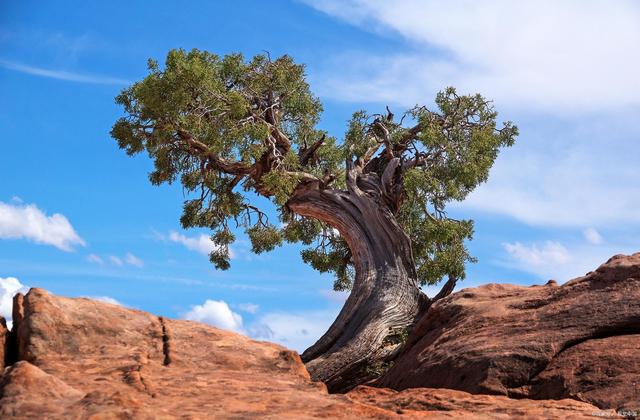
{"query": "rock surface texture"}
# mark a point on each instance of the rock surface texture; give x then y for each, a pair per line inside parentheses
(79, 358)
(580, 340)
(4, 335)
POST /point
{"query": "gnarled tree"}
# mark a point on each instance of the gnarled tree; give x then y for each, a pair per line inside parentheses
(370, 208)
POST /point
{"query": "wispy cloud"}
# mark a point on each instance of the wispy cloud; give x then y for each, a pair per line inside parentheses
(95, 259)
(105, 299)
(250, 308)
(562, 70)
(62, 74)
(133, 260)
(592, 236)
(201, 243)
(533, 54)
(116, 260)
(556, 260)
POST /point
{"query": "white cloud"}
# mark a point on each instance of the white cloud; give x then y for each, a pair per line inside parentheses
(553, 260)
(9, 287)
(61, 74)
(250, 308)
(129, 258)
(592, 236)
(29, 222)
(116, 260)
(567, 176)
(216, 313)
(133, 260)
(201, 243)
(550, 253)
(93, 258)
(296, 331)
(544, 53)
(566, 64)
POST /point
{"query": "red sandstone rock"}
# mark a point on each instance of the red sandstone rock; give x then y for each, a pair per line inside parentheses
(449, 403)
(3, 341)
(603, 371)
(29, 392)
(538, 341)
(132, 364)
(88, 359)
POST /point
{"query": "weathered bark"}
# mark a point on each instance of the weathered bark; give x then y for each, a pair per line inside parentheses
(385, 299)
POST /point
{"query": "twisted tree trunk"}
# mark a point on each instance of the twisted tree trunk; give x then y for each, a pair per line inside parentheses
(385, 299)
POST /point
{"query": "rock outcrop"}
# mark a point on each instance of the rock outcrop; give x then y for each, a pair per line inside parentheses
(4, 338)
(580, 340)
(448, 403)
(80, 358)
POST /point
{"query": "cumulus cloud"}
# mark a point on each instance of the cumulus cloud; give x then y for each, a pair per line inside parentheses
(296, 331)
(9, 287)
(592, 236)
(216, 313)
(542, 54)
(29, 222)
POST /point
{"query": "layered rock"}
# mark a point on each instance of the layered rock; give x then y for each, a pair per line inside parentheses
(82, 359)
(448, 403)
(578, 340)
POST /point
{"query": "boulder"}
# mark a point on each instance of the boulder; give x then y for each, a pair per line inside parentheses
(578, 340)
(79, 358)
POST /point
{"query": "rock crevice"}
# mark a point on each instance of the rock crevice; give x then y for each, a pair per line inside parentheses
(166, 343)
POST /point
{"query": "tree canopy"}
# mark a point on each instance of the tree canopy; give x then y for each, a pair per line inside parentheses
(230, 129)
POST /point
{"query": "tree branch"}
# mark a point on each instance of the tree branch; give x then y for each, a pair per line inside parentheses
(446, 289)
(309, 153)
(213, 160)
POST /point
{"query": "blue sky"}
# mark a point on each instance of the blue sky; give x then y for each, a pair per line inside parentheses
(79, 218)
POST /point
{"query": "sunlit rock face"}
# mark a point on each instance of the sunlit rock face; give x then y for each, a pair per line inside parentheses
(580, 340)
(78, 358)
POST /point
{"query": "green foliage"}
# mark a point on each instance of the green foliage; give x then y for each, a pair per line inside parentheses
(224, 126)
(220, 102)
(379, 368)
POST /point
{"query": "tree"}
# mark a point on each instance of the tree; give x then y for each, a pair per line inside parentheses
(371, 208)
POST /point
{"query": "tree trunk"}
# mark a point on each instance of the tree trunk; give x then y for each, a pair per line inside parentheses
(385, 300)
